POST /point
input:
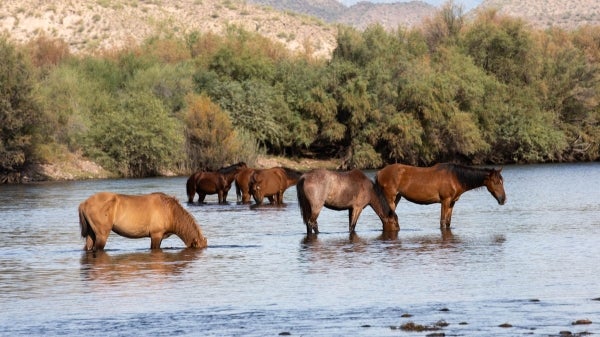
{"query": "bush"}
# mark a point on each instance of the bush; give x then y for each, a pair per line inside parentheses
(210, 139)
(19, 113)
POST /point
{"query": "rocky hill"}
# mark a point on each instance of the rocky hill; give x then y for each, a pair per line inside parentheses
(304, 26)
(94, 25)
(360, 15)
(549, 13)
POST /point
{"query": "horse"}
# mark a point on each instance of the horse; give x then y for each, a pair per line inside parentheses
(154, 215)
(442, 183)
(351, 190)
(272, 183)
(218, 182)
(242, 186)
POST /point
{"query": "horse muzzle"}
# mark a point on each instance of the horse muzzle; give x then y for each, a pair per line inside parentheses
(501, 200)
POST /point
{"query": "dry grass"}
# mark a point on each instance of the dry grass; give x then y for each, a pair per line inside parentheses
(90, 26)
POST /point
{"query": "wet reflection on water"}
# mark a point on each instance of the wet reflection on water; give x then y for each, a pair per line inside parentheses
(109, 267)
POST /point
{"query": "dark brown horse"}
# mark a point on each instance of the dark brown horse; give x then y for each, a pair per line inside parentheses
(218, 182)
(155, 215)
(351, 190)
(441, 183)
(272, 183)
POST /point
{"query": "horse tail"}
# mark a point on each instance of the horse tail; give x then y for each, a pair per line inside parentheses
(238, 191)
(84, 224)
(190, 187)
(305, 208)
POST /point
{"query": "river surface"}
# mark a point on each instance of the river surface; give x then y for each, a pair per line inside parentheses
(528, 268)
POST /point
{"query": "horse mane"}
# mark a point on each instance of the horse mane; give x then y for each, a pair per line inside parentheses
(185, 224)
(231, 168)
(291, 173)
(468, 176)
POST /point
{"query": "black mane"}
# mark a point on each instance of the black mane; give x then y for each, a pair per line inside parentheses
(469, 177)
(291, 173)
(231, 168)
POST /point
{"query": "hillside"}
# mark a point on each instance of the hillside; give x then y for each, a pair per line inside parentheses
(94, 25)
(389, 15)
(360, 15)
(303, 26)
(549, 13)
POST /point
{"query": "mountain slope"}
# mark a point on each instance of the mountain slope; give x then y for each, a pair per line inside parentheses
(90, 26)
(549, 13)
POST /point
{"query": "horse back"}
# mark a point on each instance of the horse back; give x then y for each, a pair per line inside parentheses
(137, 216)
(424, 185)
(270, 180)
(211, 182)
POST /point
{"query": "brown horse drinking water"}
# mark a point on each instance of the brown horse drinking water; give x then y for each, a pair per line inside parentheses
(155, 215)
(351, 190)
(272, 183)
(218, 182)
(441, 183)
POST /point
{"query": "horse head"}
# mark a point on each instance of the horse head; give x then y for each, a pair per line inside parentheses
(388, 216)
(495, 185)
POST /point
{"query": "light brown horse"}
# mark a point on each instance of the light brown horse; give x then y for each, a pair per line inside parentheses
(442, 183)
(218, 182)
(155, 215)
(351, 190)
(272, 183)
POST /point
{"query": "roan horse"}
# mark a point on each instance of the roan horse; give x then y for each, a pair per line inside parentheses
(351, 190)
(155, 215)
(272, 183)
(442, 183)
(218, 182)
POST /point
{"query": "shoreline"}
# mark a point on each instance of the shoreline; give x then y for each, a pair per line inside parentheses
(79, 168)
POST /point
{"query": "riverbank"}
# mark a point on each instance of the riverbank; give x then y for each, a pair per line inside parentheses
(79, 168)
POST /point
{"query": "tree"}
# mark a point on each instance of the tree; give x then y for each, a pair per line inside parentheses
(138, 138)
(19, 113)
(211, 140)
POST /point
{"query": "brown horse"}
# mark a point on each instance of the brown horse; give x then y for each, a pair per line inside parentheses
(351, 190)
(441, 183)
(218, 182)
(155, 215)
(242, 186)
(272, 183)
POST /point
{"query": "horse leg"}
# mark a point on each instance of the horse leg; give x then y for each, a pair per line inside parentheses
(446, 215)
(89, 243)
(100, 241)
(155, 241)
(353, 214)
(312, 224)
(225, 196)
(201, 197)
(396, 201)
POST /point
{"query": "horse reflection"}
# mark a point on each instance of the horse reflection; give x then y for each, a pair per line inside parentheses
(388, 245)
(105, 267)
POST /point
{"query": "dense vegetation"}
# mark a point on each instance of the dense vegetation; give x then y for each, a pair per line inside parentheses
(489, 91)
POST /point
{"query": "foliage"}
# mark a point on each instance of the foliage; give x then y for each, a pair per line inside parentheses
(19, 113)
(138, 138)
(211, 140)
(489, 90)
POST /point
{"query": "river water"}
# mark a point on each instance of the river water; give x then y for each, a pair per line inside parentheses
(530, 267)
